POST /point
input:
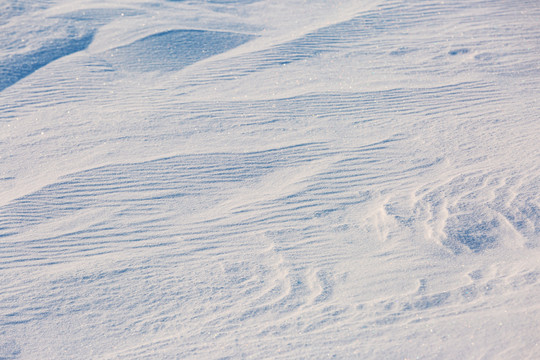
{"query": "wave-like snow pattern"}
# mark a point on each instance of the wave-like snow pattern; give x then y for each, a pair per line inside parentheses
(254, 179)
(173, 50)
(19, 66)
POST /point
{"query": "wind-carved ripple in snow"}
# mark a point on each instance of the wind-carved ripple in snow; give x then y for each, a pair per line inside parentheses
(362, 37)
(372, 229)
(177, 186)
(17, 66)
(173, 213)
(249, 234)
(173, 50)
(479, 211)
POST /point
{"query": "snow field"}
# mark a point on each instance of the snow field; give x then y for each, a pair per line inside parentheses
(261, 179)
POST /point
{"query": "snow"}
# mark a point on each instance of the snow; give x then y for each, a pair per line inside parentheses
(267, 179)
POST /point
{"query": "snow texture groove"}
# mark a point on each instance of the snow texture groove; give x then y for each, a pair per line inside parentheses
(268, 179)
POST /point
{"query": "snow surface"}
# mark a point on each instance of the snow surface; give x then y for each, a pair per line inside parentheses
(269, 179)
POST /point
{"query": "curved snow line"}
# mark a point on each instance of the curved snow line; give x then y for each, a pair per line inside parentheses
(18, 66)
(173, 50)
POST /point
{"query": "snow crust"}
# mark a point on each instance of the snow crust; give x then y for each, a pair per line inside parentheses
(269, 179)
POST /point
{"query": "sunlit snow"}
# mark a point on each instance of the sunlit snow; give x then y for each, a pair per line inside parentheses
(267, 179)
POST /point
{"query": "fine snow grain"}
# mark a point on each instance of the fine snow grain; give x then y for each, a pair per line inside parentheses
(269, 179)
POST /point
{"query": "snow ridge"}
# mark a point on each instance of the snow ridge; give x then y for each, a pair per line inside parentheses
(262, 179)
